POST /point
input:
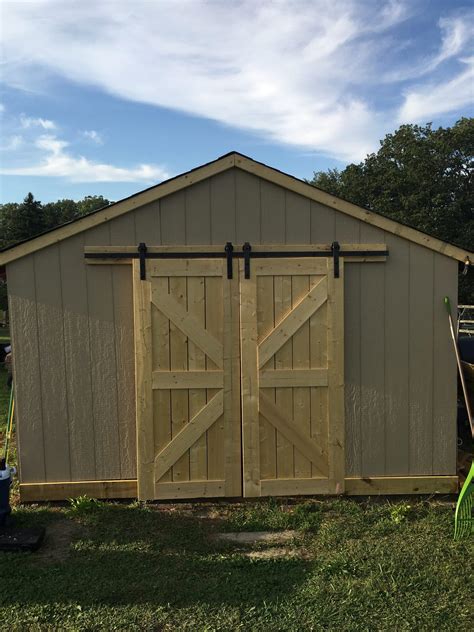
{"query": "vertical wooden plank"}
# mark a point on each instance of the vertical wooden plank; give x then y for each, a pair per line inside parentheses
(160, 337)
(336, 431)
(247, 207)
(318, 326)
(143, 385)
(223, 207)
(273, 213)
(53, 370)
(179, 362)
(122, 232)
(301, 395)
(323, 224)
(265, 323)
(444, 369)
(26, 363)
(297, 219)
(77, 359)
(372, 365)
(421, 360)
(298, 231)
(397, 283)
(198, 213)
(197, 361)
(215, 325)
(284, 396)
(147, 224)
(249, 385)
(232, 416)
(348, 231)
(173, 219)
(103, 360)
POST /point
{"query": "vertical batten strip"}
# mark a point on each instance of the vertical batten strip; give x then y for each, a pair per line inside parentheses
(249, 385)
(336, 430)
(143, 385)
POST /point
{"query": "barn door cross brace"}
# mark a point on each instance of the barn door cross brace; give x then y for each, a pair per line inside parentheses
(229, 253)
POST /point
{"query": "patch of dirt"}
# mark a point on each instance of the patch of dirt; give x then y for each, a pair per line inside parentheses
(254, 537)
(56, 546)
(278, 553)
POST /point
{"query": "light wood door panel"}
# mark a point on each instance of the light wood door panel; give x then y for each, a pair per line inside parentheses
(292, 377)
(187, 380)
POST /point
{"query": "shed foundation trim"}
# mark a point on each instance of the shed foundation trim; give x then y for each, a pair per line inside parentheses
(117, 489)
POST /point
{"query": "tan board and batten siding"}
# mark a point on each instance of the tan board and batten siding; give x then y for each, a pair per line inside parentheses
(72, 330)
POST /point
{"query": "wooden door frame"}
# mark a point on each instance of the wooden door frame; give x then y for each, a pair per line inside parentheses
(228, 399)
(251, 397)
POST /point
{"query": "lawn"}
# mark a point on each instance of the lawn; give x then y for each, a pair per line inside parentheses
(349, 565)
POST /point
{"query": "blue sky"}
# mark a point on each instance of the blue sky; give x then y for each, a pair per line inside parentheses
(111, 97)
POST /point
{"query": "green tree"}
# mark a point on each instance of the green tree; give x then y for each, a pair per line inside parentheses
(421, 177)
(91, 203)
(22, 221)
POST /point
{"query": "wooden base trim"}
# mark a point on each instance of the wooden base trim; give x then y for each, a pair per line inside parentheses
(295, 487)
(401, 485)
(377, 485)
(31, 492)
(190, 489)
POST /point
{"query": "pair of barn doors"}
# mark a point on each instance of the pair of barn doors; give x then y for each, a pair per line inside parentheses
(239, 382)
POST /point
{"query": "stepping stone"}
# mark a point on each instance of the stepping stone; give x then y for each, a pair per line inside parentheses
(254, 537)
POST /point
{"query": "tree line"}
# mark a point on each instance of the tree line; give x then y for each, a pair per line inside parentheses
(23, 220)
(422, 177)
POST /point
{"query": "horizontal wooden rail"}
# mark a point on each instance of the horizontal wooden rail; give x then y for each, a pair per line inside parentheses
(376, 485)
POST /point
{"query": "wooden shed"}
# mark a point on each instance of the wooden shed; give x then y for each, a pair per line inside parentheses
(233, 332)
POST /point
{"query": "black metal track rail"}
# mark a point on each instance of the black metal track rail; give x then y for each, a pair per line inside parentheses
(229, 254)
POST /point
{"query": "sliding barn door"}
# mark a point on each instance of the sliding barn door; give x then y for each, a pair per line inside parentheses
(187, 380)
(292, 377)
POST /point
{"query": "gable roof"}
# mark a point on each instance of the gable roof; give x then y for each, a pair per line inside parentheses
(228, 161)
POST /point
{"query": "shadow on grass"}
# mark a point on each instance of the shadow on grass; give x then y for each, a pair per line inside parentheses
(123, 555)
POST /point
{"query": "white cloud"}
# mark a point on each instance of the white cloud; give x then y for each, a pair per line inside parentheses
(457, 33)
(2, 107)
(301, 72)
(12, 143)
(94, 136)
(55, 161)
(434, 99)
(27, 122)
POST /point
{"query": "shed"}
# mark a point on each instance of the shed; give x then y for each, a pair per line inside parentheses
(233, 332)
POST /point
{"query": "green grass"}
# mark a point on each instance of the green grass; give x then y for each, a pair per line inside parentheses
(139, 568)
(373, 565)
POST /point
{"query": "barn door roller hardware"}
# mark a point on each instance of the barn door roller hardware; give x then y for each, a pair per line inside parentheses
(228, 252)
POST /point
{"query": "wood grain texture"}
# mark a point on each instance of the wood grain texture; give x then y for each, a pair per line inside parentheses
(223, 202)
(27, 370)
(121, 232)
(421, 361)
(306, 304)
(34, 492)
(397, 352)
(197, 364)
(53, 370)
(249, 385)
(444, 369)
(247, 208)
(143, 385)
(78, 359)
(103, 362)
(372, 363)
